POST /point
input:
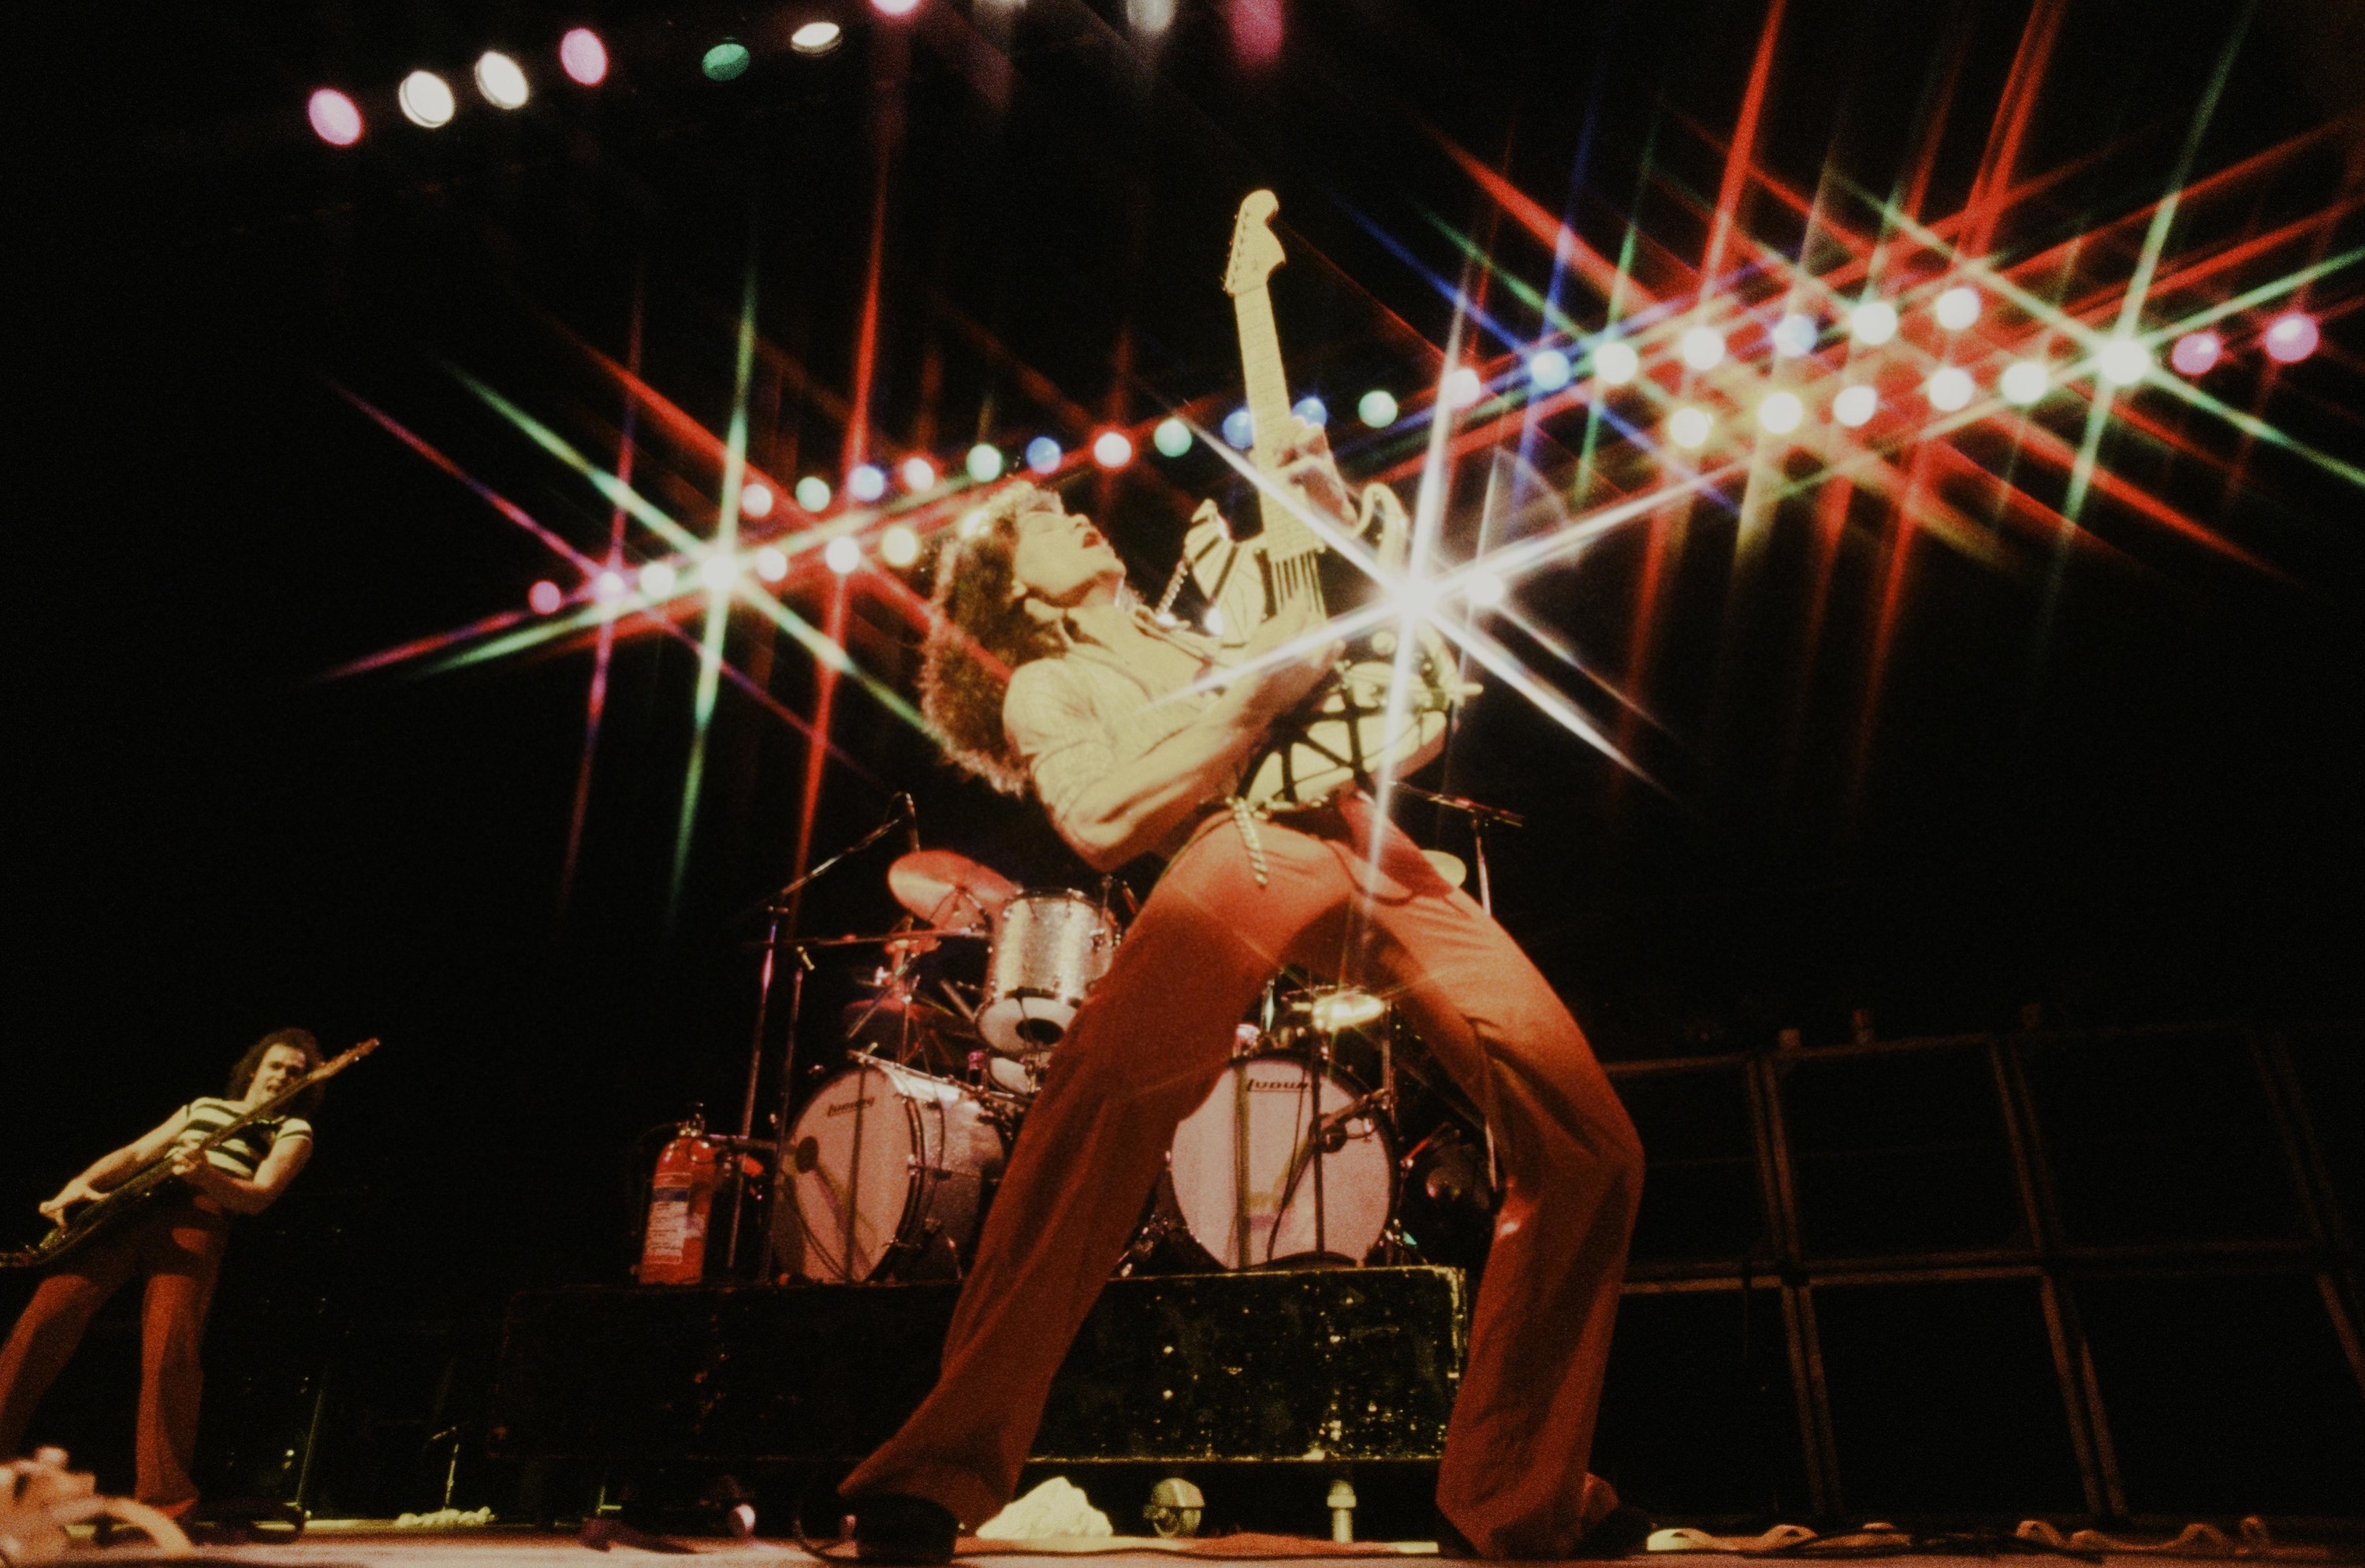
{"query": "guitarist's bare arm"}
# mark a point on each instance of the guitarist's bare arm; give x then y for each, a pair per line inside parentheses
(1132, 807)
(239, 1194)
(114, 1166)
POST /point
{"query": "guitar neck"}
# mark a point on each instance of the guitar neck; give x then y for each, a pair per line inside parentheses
(1289, 545)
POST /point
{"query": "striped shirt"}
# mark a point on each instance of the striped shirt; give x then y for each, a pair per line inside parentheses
(1073, 718)
(242, 1153)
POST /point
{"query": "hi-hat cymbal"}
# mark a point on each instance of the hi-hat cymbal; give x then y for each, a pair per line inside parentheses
(948, 890)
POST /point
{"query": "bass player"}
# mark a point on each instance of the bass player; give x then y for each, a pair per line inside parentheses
(1048, 678)
(175, 1241)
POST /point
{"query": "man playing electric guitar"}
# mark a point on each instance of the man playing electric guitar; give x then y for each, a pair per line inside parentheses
(175, 1240)
(1047, 677)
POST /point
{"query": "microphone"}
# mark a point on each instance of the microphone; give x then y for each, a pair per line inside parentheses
(911, 811)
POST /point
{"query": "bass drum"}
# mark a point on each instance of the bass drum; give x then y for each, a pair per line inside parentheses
(1241, 1182)
(888, 1174)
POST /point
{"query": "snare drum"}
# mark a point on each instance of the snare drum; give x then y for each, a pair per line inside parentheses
(1050, 947)
(1241, 1180)
(887, 1173)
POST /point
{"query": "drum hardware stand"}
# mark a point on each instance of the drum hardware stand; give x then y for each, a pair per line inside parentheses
(783, 907)
(1479, 815)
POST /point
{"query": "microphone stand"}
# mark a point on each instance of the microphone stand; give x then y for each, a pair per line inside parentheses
(782, 907)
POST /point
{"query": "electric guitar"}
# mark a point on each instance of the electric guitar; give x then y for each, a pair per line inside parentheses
(133, 1193)
(1343, 732)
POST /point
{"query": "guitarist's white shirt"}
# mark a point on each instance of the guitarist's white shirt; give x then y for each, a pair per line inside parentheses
(241, 1154)
(1075, 717)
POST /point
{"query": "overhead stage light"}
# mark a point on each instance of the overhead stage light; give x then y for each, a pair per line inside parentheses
(657, 579)
(2124, 362)
(816, 37)
(756, 499)
(2196, 353)
(1484, 588)
(1616, 364)
(1111, 449)
(1240, 429)
(726, 62)
(1549, 369)
(1313, 410)
(895, 7)
(1461, 387)
(1377, 408)
(984, 462)
(545, 598)
(583, 57)
(866, 483)
(609, 586)
(1854, 406)
(842, 555)
(1150, 16)
(1689, 428)
(918, 473)
(1794, 335)
(426, 99)
(1780, 413)
(718, 572)
(501, 80)
(2292, 337)
(899, 547)
(771, 564)
(812, 493)
(1957, 308)
(1950, 390)
(336, 119)
(1173, 438)
(1702, 347)
(2023, 382)
(1873, 323)
(1042, 455)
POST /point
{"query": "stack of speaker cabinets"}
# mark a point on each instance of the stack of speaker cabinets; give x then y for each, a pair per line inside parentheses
(2098, 1275)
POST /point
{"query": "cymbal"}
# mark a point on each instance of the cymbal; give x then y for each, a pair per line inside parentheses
(948, 889)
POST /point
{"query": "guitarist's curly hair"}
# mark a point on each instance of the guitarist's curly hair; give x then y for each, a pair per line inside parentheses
(243, 1075)
(982, 630)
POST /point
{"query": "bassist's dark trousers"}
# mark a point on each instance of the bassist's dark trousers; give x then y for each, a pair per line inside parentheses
(177, 1247)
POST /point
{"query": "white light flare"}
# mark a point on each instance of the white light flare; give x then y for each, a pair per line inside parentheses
(1854, 406)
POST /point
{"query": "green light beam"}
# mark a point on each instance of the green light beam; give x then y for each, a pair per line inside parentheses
(718, 599)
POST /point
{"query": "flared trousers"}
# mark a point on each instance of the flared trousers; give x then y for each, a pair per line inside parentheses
(1348, 897)
(177, 1244)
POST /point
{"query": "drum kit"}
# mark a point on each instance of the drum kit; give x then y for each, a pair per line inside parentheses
(1298, 1154)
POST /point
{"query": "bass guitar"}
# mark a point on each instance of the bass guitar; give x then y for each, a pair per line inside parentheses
(133, 1193)
(1344, 732)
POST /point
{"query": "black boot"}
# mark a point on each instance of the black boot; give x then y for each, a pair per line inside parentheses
(891, 1526)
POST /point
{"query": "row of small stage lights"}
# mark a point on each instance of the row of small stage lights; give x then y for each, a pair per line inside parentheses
(2121, 363)
(428, 101)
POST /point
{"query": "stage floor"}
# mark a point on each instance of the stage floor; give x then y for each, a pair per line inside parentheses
(366, 1547)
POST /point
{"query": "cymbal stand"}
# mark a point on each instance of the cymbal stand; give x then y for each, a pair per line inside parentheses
(782, 907)
(1480, 815)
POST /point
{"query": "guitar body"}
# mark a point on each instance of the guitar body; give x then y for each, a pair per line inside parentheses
(131, 1196)
(1344, 734)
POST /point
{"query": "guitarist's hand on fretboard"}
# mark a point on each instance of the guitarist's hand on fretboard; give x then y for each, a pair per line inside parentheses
(1307, 467)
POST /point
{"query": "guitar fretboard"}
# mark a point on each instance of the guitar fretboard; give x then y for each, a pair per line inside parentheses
(1289, 545)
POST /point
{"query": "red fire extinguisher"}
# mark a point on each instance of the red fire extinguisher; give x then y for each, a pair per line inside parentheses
(681, 1201)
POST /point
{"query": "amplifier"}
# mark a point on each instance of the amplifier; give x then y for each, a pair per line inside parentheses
(1337, 1364)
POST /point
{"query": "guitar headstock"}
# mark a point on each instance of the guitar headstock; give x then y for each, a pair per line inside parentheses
(1255, 252)
(337, 1064)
